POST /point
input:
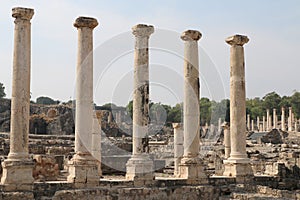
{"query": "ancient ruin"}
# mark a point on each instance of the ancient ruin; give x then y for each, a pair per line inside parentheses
(46, 154)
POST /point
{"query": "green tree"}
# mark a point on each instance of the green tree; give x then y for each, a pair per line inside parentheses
(176, 113)
(205, 111)
(254, 107)
(46, 101)
(295, 103)
(271, 100)
(109, 106)
(129, 108)
(2, 92)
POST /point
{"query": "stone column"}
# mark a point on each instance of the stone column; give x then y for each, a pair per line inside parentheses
(283, 119)
(296, 126)
(268, 120)
(96, 142)
(252, 125)
(178, 146)
(83, 168)
(140, 166)
(17, 168)
(274, 119)
(258, 124)
(227, 145)
(109, 118)
(238, 164)
(290, 128)
(191, 167)
(264, 123)
(219, 125)
(248, 122)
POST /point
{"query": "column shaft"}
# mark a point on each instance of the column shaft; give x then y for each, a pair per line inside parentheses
(178, 146)
(140, 166)
(17, 168)
(83, 168)
(283, 119)
(237, 164)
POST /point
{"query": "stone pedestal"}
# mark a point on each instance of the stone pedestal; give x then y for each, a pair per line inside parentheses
(191, 166)
(238, 164)
(17, 168)
(178, 146)
(83, 168)
(140, 167)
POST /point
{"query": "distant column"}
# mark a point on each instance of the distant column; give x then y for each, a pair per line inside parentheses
(252, 125)
(248, 122)
(227, 145)
(274, 119)
(191, 165)
(17, 168)
(296, 126)
(270, 123)
(268, 120)
(219, 125)
(290, 128)
(264, 123)
(140, 166)
(283, 119)
(83, 168)
(258, 123)
(109, 118)
(178, 146)
(238, 164)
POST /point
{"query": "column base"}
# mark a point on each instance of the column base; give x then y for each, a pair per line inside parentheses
(139, 169)
(238, 168)
(17, 175)
(192, 169)
(83, 171)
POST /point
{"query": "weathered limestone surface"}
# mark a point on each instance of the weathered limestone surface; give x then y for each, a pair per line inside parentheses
(17, 168)
(237, 164)
(83, 168)
(140, 166)
(178, 146)
(191, 166)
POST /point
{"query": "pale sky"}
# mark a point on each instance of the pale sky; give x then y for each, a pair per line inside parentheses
(271, 56)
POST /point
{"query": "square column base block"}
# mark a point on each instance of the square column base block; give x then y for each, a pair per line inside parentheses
(238, 168)
(17, 175)
(192, 171)
(83, 173)
(140, 168)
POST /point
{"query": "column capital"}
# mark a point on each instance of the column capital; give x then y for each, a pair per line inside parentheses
(239, 40)
(22, 13)
(190, 35)
(226, 125)
(176, 125)
(142, 30)
(88, 22)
